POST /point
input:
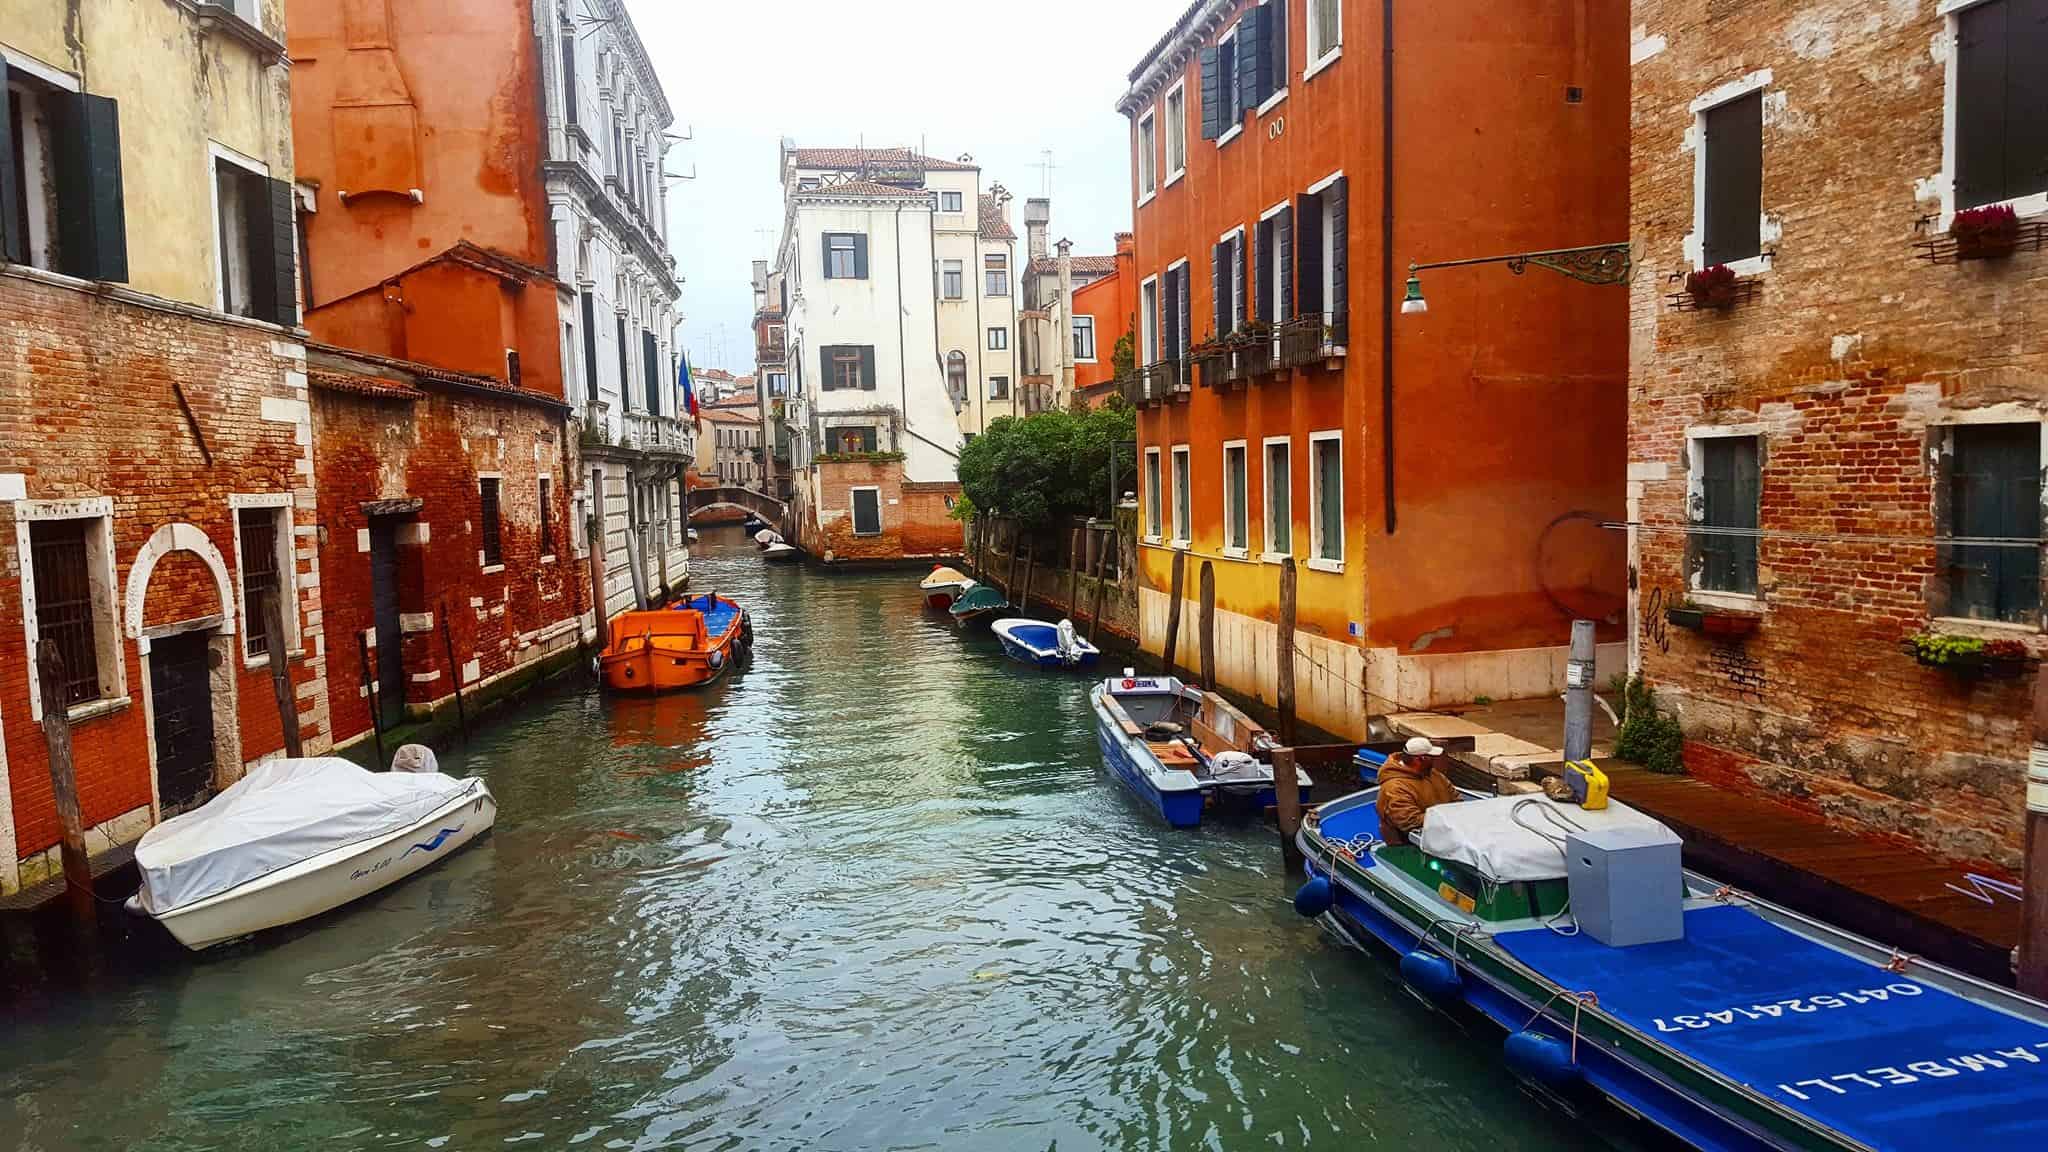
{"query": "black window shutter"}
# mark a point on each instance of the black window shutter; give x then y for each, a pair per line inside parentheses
(1980, 105)
(1219, 286)
(1735, 180)
(860, 256)
(1240, 276)
(273, 254)
(1336, 210)
(1276, 43)
(867, 367)
(1212, 96)
(651, 355)
(1262, 300)
(1187, 310)
(92, 233)
(569, 74)
(1251, 57)
(625, 371)
(1170, 318)
(2026, 141)
(13, 245)
(825, 380)
(826, 240)
(1308, 263)
(590, 344)
(1283, 262)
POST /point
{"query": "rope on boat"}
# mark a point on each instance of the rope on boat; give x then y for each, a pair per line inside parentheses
(1580, 1001)
(1899, 962)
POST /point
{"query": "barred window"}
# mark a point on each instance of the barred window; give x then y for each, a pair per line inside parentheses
(488, 517)
(259, 576)
(64, 604)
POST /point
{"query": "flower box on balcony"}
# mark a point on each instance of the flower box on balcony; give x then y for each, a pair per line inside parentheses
(1985, 233)
(1970, 657)
(1719, 623)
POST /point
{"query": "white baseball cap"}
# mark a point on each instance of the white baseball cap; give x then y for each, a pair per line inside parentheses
(1420, 746)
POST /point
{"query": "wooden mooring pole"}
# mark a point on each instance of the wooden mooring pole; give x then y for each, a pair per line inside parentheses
(370, 694)
(1010, 585)
(1208, 586)
(1100, 542)
(1287, 802)
(2033, 959)
(1180, 577)
(281, 678)
(455, 673)
(594, 535)
(1030, 565)
(1283, 656)
(64, 783)
(1074, 573)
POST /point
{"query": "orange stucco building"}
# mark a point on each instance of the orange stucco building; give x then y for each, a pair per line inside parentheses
(1112, 305)
(1440, 479)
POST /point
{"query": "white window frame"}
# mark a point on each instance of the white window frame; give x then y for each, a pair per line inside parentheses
(579, 522)
(1179, 91)
(1236, 128)
(1148, 317)
(1280, 93)
(1329, 239)
(108, 637)
(42, 227)
(1695, 489)
(1155, 502)
(1237, 297)
(958, 268)
(1080, 321)
(998, 339)
(1001, 269)
(952, 202)
(1274, 307)
(1007, 395)
(1769, 228)
(853, 516)
(281, 504)
(1240, 550)
(1315, 503)
(1331, 53)
(2025, 207)
(1148, 156)
(547, 510)
(1183, 498)
(1266, 517)
(215, 153)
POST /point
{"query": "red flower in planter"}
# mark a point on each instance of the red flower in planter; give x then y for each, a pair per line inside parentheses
(1711, 287)
(1992, 230)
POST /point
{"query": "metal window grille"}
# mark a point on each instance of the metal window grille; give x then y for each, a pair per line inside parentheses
(259, 576)
(64, 607)
(493, 554)
(1729, 489)
(547, 517)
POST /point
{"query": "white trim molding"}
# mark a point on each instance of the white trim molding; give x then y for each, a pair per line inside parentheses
(1941, 187)
(1770, 229)
(1317, 560)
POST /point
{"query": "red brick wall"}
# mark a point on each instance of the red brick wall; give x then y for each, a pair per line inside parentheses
(87, 410)
(1849, 362)
(916, 518)
(433, 450)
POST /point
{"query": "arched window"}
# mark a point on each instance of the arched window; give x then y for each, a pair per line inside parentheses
(956, 376)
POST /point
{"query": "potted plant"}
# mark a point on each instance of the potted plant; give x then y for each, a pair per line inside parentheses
(1969, 656)
(1712, 287)
(1984, 233)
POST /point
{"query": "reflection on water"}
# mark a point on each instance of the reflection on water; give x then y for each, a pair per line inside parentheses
(871, 892)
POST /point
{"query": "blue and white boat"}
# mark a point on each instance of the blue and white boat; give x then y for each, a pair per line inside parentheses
(1046, 645)
(1182, 750)
(1739, 1026)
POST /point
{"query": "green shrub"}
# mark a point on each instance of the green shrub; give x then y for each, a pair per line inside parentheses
(1648, 737)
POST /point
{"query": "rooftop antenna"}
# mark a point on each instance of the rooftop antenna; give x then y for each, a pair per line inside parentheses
(1045, 169)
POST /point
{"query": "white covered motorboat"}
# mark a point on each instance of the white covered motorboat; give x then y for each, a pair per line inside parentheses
(295, 838)
(779, 552)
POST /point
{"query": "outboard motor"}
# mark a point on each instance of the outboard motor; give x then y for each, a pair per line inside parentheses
(1069, 643)
(416, 758)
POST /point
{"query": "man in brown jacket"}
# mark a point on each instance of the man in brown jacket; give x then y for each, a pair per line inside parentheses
(1410, 785)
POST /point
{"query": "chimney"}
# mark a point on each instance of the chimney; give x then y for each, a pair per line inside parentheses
(1037, 219)
(1064, 385)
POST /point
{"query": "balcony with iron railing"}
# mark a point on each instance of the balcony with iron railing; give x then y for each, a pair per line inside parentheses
(1164, 381)
(1315, 340)
(661, 435)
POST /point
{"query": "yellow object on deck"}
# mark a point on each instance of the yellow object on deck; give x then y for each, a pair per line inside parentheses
(1588, 784)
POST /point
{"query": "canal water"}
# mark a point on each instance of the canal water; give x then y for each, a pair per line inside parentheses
(873, 892)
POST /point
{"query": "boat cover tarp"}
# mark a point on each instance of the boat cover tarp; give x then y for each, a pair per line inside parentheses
(980, 599)
(943, 577)
(1516, 838)
(719, 615)
(1895, 1063)
(282, 812)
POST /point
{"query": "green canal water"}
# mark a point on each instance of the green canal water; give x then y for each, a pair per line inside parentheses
(874, 892)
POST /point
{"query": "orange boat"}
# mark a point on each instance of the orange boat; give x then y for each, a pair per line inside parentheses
(686, 645)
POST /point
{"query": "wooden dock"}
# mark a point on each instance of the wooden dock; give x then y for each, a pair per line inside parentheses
(34, 897)
(1887, 891)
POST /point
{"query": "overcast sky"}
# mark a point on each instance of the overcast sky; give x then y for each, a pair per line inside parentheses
(1001, 81)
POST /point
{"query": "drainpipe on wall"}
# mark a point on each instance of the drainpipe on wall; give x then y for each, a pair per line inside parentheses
(1387, 256)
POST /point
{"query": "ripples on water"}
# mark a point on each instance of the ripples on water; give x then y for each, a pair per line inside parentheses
(874, 892)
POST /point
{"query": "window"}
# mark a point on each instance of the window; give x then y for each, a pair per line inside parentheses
(258, 531)
(1182, 481)
(1152, 501)
(657, 381)
(998, 339)
(256, 232)
(625, 368)
(949, 201)
(1148, 328)
(1724, 506)
(1179, 325)
(547, 516)
(952, 279)
(849, 367)
(851, 440)
(1084, 339)
(956, 376)
(2001, 113)
(60, 178)
(1731, 180)
(492, 554)
(1262, 56)
(1275, 256)
(846, 256)
(1176, 133)
(1236, 525)
(1325, 31)
(1148, 174)
(1326, 496)
(1994, 493)
(1279, 512)
(999, 387)
(1322, 256)
(1222, 110)
(778, 384)
(1226, 282)
(569, 93)
(995, 274)
(867, 512)
(66, 612)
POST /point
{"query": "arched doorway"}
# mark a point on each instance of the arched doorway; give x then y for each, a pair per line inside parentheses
(185, 634)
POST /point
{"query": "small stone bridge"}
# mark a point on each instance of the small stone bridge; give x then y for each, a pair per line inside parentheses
(746, 499)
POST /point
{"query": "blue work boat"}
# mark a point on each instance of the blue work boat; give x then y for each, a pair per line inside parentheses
(1184, 751)
(1752, 1028)
(1046, 645)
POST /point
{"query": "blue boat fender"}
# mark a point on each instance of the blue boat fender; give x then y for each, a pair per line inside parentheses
(1543, 1059)
(1315, 897)
(1433, 975)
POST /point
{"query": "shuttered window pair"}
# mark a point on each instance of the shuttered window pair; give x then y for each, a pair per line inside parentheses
(1727, 502)
(849, 367)
(1241, 72)
(256, 235)
(1994, 496)
(2001, 136)
(1273, 253)
(1177, 330)
(1322, 269)
(1731, 219)
(846, 256)
(60, 181)
(1227, 283)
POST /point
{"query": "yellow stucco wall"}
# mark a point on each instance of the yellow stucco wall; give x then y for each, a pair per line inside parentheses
(180, 88)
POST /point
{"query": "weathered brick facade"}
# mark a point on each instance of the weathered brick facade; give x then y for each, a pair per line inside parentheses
(1851, 359)
(413, 445)
(91, 412)
(917, 521)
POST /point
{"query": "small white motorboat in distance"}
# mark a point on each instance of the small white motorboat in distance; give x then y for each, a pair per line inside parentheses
(1046, 645)
(779, 552)
(295, 838)
(766, 537)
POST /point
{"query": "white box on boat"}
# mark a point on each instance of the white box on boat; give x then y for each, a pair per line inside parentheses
(1627, 884)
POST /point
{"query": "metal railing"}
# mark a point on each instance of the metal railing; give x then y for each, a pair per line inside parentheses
(1165, 380)
(651, 433)
(1310, 341)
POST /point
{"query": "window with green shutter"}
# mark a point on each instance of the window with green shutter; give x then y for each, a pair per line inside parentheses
(1994, 493)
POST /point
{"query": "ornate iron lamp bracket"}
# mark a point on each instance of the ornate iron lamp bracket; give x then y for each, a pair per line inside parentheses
(1591, 264)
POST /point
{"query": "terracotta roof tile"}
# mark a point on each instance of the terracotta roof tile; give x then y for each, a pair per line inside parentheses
(1083, 265)
(864, 188)
(854, 159)
(362, 385)
(995, 223)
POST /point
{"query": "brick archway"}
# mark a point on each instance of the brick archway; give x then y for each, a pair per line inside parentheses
(165, 540)
(745, 499)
